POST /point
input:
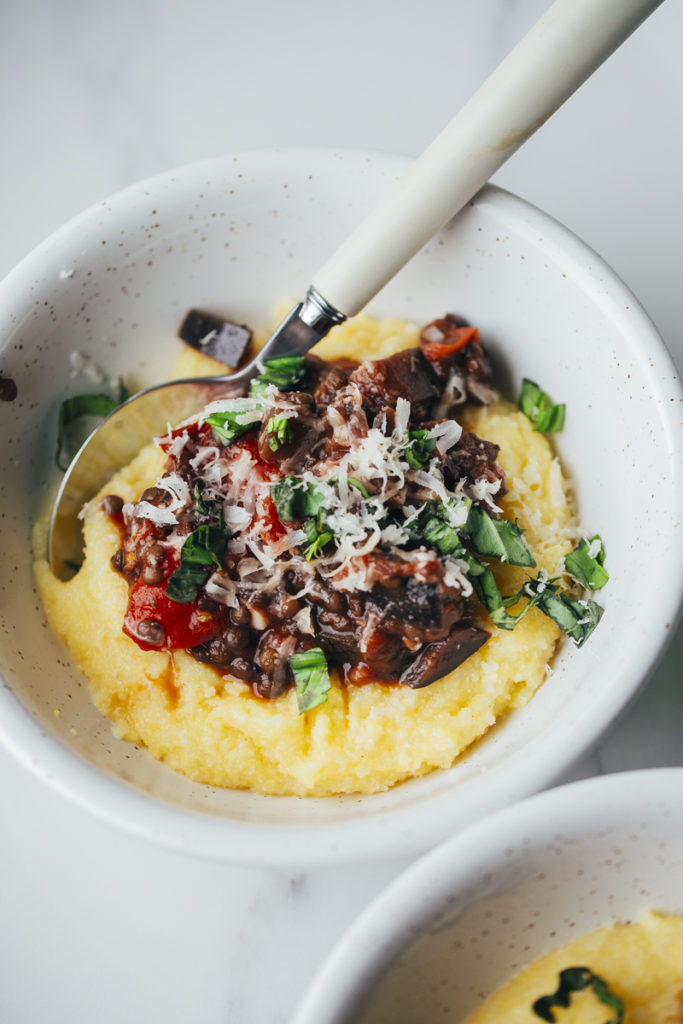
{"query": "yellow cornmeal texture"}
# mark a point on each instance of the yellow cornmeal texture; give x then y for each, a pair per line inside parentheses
(364, 739)
(642, 963)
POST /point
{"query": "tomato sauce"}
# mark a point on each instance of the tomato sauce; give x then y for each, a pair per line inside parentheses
(181, 625)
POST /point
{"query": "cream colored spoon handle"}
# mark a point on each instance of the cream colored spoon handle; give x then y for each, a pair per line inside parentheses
(560, 52)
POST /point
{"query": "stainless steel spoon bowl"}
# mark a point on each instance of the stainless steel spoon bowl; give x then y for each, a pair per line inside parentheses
(146, 415)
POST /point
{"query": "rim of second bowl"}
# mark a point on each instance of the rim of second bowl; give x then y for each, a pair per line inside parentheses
(384, 929)
(413, 828)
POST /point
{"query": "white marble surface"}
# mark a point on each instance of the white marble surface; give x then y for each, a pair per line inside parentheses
(96, 926)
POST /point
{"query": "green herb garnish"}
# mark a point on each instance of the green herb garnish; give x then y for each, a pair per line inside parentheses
(317, 535)
(420, 449)
(488, 592)
(577, 619)
(201, 552)
(360, 486)
(540, 409)
(73, 408)
(295, 499)
(497, 538)
(585, 564)
(236, 419)
(202, 506)
(443, 538)
(435, 529)
(433, 525)
(241, 414)
(283, 372)
(279, 431)
(318, 544)
(311, 678)
(575, 979)
(211, 509)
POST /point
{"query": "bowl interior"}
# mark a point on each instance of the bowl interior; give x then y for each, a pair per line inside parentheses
(238, 235)
(471, 915)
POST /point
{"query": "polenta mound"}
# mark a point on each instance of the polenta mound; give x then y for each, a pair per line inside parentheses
(364, 739)
(641, 963)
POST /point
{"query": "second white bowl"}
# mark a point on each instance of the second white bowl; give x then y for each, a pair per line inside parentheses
(470, 915)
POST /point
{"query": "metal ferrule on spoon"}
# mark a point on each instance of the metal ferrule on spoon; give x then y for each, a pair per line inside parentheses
(560, 52)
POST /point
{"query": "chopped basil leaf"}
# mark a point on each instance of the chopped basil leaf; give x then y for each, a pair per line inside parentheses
(575, 979)
(497, 538)
(279, 431)
(185, 583)
(512, 620)
(283, 372)
(202, 507)
(550, 421)
(486, 589)
(320, 541)
(73, 408)
(226, 428)
(285, 495)
(577, 619)
(123, 394)
(317, 536)
(201, 552)
(208, 508)
(539, 408)
(434, 527)
(258, 387)
(419, 451)
(295, 499)
(360, 486)
(82, 405)
(585, 564)
(244, 413)
(241, 415)
(311, 678)
(442, 537)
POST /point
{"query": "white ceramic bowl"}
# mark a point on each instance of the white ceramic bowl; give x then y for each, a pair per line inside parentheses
(468, 916)
(236, 235)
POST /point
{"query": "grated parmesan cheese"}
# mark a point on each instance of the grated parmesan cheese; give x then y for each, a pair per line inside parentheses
(361, 486)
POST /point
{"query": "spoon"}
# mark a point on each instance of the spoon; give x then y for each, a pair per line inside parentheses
(556, 56)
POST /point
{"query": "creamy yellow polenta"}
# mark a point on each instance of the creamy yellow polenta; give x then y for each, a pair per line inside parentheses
(642, 963)
(364, 739)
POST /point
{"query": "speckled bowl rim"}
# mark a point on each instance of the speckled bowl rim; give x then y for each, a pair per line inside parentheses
(420, 825)
(385, 927)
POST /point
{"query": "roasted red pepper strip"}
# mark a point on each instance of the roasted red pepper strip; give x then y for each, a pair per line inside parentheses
(156, 623)
(455, 339)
